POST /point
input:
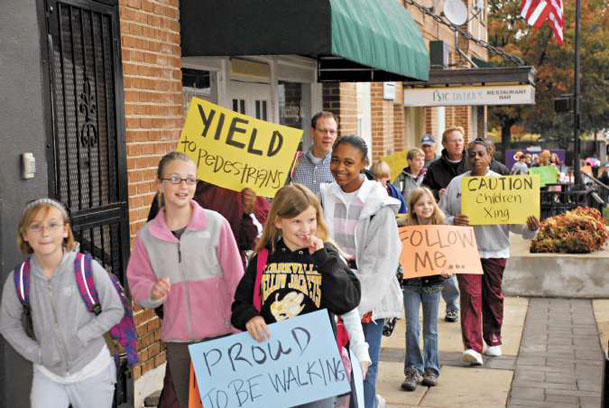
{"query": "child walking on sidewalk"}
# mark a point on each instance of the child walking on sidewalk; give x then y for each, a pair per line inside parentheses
(186, 259)
(361, 219)
(295, 233)
(422, 366)
(72, 363)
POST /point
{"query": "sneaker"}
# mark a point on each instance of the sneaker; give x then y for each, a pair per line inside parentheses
(380, 402)
(413, 378)
(430, 378)
(493, 351)
(452, 316)
(472, 357)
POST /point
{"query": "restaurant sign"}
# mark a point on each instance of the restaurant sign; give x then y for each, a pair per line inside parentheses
(470, 95)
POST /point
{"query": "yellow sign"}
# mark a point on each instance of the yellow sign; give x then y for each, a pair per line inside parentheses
(235, 151)
(396, 161)
(432, 249)
(500, 200)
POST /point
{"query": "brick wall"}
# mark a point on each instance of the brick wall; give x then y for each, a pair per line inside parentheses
(399, 119)
(382, 122)
(348, 108)
(399, 123)
(341, 100)
(150, 38)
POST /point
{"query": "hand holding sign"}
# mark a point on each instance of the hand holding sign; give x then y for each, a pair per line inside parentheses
(461, 220)
(533, 223)
(437, 249)
(258, 329)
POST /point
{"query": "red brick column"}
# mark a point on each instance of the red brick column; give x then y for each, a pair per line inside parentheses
(150, 39)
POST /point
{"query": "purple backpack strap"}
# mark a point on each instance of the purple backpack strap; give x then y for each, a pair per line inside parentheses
(22, 282)
(262, 257)
(85, 282)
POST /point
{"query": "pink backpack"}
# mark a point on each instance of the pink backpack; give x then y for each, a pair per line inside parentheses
(123, 332)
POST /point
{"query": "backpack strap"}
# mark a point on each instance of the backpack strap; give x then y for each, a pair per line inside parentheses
(22, 282)
(262, 257)
(85, 282)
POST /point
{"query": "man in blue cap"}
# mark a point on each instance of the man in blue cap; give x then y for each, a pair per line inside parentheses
(428, 145)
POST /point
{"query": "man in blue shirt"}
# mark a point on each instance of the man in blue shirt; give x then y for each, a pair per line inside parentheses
(314, 167)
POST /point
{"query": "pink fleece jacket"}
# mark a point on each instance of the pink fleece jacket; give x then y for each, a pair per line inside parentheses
(203, 266)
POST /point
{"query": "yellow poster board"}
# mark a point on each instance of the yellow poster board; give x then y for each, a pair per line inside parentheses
(396, 161)
(500, 200)
(431, 249)
(235, 151)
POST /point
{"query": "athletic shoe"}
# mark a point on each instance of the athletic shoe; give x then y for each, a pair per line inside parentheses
(380, 402)
(413, 378)
(452, 316)
(430, 378)
(472, 357)
(493, 351)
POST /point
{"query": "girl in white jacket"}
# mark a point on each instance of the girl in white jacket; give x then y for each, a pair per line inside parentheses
(361, 220)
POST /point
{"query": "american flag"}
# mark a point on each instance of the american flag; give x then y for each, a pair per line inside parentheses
(536, 12)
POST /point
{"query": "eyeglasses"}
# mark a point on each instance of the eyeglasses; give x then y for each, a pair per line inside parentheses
(51, 227)
(191, 181)
(329, 131)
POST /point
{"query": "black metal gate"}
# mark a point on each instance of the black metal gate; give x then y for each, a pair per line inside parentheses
(86, 150)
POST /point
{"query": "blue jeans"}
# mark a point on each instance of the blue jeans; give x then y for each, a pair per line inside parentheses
(450, 294)
(429, 298)
(373, 333)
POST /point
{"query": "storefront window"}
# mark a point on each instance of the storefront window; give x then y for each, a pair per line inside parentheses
(199, 83)
(290, 104)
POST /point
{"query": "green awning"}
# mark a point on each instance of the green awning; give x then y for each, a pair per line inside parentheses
(352, 40)
(379, 34)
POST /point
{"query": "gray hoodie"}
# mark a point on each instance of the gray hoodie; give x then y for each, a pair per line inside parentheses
(378, 247)
(68, 337)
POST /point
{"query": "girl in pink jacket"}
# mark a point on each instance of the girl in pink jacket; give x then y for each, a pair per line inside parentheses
(186, 259)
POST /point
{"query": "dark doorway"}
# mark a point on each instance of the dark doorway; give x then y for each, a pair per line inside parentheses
(86, 150)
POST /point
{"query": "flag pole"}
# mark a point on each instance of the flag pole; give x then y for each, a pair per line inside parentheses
(576, 99)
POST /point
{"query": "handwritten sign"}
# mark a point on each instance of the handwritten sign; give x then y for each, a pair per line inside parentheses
(547, 174)
(235, 151)
(500, 200)
(396, 161)
(300, 364)
(430, 249)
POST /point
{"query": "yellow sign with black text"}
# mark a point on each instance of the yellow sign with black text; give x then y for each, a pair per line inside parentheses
(396, 161)
(235, 151)
(500, 200)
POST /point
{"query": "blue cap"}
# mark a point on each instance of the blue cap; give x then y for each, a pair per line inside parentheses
(428, 140)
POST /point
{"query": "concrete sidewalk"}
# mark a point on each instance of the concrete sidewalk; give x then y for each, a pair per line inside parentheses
(552, 358)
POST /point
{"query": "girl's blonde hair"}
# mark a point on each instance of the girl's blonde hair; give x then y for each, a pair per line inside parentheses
(380, 169)
(414, 152)
(289, 202)
(41, 207)
(437, 217)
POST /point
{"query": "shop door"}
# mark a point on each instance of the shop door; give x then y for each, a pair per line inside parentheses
(251, 99)
(86, 150)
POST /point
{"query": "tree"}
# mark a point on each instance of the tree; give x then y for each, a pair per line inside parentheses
(554, 65)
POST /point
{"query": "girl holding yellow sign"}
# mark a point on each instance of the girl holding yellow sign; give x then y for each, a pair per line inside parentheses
(481, 295)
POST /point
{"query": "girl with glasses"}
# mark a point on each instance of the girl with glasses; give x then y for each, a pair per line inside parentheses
(185, 259)
(72, 364)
